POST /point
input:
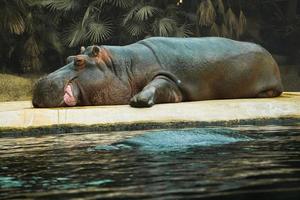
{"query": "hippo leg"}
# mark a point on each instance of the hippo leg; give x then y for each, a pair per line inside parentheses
(160, 90)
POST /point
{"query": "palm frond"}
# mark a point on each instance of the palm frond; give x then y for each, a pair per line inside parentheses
(231, 22)
(242, 24)
(171, 10)
(30, 60)
(20, 4)
(99, 31)
(122, 3)
(224, 31)
(86, 15)
(12, 18)
(130, 15)
(220, 7)
(136, 29)
(53, 40)
(62, 5)
(29, 23)
(117, 3)
(31, 64)
(98, 3)
(33, 2)
(184, 31)
(145, 12)
(214, 30)
(206, 13)
(16, 23)
(165, 27)
(74, 35)
(31, 47)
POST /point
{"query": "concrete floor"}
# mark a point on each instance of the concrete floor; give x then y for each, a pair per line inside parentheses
(20, 115)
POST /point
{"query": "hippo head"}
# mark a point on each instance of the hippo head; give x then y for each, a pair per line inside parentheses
(86, 79)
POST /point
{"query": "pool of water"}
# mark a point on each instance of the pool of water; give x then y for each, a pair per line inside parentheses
(242, 162)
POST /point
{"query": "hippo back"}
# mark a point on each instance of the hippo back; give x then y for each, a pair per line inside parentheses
(215, 65)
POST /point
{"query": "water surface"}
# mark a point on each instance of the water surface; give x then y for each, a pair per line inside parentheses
(243, 162)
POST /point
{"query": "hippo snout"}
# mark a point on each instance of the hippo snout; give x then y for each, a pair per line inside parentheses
(47, 93)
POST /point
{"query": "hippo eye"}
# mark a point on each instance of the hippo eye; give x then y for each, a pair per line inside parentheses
(79, 62)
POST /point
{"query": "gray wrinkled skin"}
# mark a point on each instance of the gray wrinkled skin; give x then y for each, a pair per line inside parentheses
(163, 70)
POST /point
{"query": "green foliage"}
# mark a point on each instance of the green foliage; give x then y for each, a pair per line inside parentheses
(99, 31)
(135, 29)
(28, 35)
(145, 13)
(12, 15)
(221, 21)
(61, 5)
(148, 18)
(118, 3)
(231, 21)
(164, 27)
(74, 34)
(36, 32)
(206, 13)
(242, 24)
(184, 31)
(214, 30)
(220, 7)
(30, 59)
(21, 89)
(91, 21)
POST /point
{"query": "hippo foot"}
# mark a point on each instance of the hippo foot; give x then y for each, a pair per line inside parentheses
(143, 99)
(140, 102)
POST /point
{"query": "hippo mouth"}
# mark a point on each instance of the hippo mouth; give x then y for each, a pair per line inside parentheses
(74, 94)
(69, 97)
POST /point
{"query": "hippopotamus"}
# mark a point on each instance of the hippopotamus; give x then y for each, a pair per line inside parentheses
(161, 70)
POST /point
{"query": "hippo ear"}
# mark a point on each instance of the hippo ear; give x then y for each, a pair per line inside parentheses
(70, 59)
(82, 49)
(96, 50)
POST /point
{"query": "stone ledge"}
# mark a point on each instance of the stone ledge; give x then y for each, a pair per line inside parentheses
(20, 115)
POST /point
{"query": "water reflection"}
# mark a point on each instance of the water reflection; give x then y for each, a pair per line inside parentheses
(245, 162)
(175, 140)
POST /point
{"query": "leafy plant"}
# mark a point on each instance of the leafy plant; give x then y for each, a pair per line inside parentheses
(220, 21)
(27, 37)
(149, 18)
(36, 34)
(91, 22)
